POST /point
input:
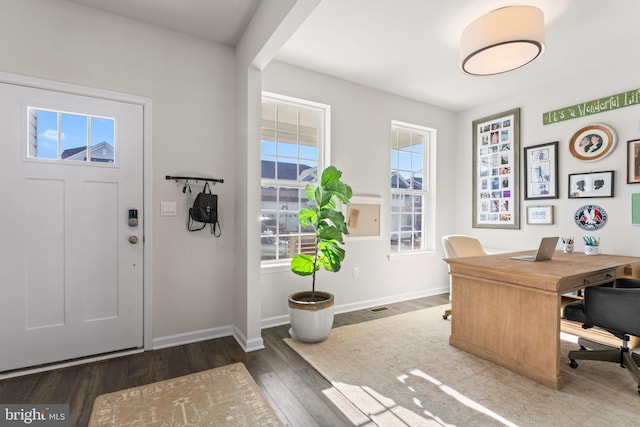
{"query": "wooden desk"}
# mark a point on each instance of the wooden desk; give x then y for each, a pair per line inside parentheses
(508, 311)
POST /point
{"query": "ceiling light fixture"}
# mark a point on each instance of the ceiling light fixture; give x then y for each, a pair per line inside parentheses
(501, 41)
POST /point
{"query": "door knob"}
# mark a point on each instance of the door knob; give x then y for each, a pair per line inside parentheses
(133, 239)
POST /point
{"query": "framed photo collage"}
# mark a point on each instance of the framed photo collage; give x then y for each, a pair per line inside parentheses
(496, 144)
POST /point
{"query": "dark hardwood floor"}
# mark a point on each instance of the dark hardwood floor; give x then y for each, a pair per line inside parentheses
(294, 389)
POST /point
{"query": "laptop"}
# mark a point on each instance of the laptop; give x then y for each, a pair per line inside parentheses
(545, 250)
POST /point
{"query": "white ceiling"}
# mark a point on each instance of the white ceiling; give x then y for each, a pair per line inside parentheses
(409, 47)
(220, 21)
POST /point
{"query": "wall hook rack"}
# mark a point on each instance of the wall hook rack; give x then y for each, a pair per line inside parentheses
(194, 178)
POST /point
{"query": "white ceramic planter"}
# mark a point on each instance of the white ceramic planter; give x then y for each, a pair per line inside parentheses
(311, 321)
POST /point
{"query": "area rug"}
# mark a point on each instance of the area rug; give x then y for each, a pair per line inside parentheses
(224, 396)
(401, 371)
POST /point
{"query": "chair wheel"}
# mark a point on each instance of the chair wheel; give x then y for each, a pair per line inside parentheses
(444, 316)
(574, 364)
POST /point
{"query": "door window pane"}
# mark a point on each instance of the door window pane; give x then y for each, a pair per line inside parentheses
(102, 140)
(74, 137)
(43, 134)
(77, 137)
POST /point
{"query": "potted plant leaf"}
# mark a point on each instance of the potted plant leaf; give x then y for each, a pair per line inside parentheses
(311, 312)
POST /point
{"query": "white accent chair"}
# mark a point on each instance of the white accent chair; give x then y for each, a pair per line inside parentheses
(458, 246)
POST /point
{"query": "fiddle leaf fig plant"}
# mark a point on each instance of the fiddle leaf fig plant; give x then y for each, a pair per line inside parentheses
(327, 221)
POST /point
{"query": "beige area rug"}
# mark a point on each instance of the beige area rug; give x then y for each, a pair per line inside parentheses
(401, 371)
(224, 396)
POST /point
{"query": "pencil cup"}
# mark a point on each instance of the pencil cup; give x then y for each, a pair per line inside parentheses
(567, 248)
(591, 250)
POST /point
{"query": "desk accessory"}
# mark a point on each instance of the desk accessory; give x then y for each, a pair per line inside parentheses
(567, 245)
(592, 245)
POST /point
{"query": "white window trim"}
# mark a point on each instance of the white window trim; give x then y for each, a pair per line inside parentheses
(428, 192)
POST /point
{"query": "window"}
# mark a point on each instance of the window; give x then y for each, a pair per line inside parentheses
(58, 135)
(409, 189)
(292, 148)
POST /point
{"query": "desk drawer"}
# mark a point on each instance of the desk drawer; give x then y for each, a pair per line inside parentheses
(597, 278)
(600, 277)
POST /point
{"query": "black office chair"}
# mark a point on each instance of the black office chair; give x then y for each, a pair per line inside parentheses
(613, 308)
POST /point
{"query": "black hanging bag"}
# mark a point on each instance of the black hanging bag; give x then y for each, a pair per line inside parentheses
(204, 210)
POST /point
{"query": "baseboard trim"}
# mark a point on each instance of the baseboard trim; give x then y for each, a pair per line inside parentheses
(250, 345)
(209, 334)
(258, 343)
(191, 337)
(346, 308)
(361, 305)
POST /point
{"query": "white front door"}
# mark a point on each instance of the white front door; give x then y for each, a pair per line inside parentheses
(71, 270)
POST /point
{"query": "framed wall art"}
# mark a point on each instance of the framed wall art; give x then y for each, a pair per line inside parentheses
(592, 184)
(541, 171)
(592, 142)
(633, 161)
(539, 214)
(496, 145)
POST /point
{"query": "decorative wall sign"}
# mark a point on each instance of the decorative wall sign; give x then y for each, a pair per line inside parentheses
(592, 142)
(590, 217)
(592, 184)
(496, 144)
(541, 171)
(613, 102)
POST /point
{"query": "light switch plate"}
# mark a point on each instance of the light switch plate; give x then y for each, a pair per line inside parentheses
(168, 209)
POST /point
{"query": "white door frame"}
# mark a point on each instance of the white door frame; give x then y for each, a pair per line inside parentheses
(146, 104)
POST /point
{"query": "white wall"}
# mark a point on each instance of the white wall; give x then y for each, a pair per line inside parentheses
(618, 236)
(191, 83)
(360, 131)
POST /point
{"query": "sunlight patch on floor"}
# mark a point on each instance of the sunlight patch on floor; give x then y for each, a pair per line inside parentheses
(341, 402)
(364, 406)
(461, 398)
(367, 407)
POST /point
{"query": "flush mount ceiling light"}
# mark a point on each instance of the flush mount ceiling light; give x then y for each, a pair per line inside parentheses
(503, 40)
